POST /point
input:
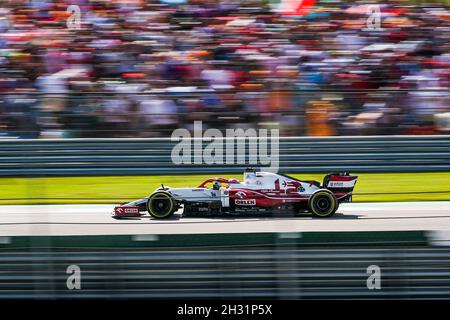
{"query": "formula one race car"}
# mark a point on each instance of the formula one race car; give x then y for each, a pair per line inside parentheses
(259, 193)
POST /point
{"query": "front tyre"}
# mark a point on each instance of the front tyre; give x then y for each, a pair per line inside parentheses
(161, 205)
(323, 204)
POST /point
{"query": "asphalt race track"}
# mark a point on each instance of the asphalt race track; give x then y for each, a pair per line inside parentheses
(97, 220)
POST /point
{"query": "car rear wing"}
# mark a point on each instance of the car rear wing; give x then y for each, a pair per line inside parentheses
(341, 183)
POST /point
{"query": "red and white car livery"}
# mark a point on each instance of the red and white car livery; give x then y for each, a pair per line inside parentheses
(259, 192)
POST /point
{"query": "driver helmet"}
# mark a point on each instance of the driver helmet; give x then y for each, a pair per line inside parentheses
(217, 185)
(233, 181)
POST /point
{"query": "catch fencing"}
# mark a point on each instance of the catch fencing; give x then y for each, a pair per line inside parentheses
(288, 268)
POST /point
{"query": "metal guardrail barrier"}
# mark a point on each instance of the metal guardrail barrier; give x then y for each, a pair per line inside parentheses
(153, 156)
(284, 272)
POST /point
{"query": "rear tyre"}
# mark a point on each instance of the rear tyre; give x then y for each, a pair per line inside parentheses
(161, 205)
(323, 204)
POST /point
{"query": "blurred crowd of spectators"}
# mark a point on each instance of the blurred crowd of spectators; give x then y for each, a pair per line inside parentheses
(142, 68)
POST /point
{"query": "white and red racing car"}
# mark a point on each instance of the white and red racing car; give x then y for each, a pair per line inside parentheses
(259, 193)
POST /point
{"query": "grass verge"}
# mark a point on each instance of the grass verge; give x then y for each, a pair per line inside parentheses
(371, 187)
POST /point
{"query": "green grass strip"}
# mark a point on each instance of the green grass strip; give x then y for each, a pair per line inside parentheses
(371, 187)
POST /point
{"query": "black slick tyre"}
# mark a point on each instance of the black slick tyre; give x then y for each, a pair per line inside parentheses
(323, 204)
(161, 205)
